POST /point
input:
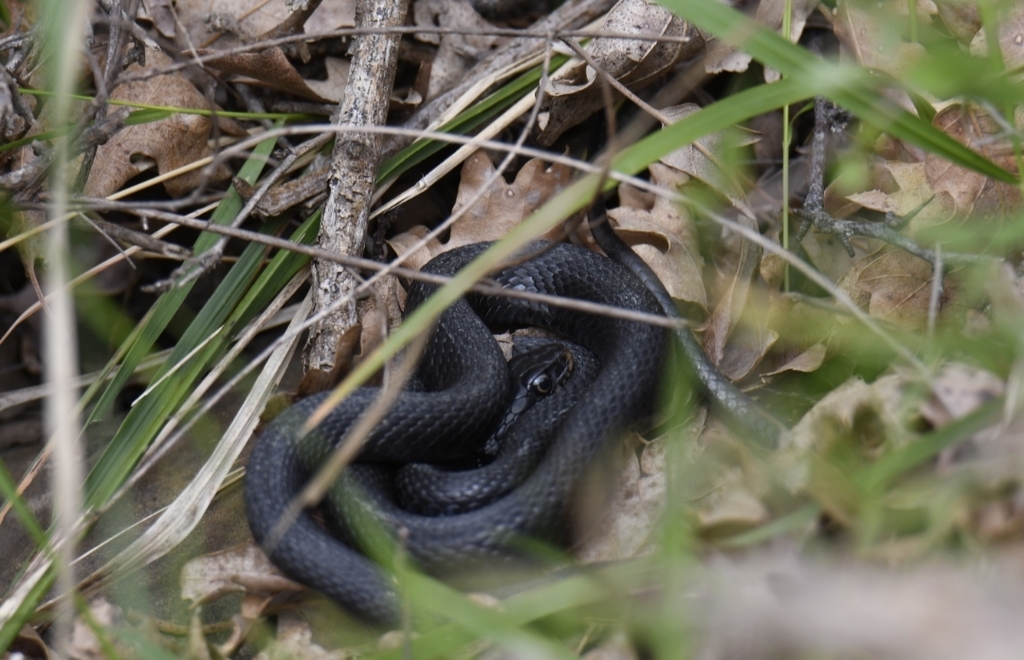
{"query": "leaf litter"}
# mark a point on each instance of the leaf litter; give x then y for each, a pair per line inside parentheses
(849, 418)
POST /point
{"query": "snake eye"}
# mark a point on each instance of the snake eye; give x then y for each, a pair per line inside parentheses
(541, 384)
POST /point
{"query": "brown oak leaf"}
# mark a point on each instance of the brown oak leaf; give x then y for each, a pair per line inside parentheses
(168, 144)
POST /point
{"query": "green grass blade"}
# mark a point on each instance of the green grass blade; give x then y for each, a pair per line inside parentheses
(14, 624)
(146, 116)
(800, 519)
(435, 597)
(233, 304)
(9, 490)
(45, 136)
(178, 110)
(854, 88)
(150, 328)
(281, 268)
(732, 110)
(876, 476)
(467, 121)
(147, 416)
(557, 595)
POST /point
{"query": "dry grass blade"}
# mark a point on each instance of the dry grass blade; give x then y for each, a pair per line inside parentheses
(181, 517)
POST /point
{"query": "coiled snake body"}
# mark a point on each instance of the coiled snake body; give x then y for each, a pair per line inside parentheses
(466, 383)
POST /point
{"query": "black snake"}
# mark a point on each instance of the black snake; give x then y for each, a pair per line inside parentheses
(464, 389)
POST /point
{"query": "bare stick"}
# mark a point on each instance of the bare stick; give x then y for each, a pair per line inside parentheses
(353, 169)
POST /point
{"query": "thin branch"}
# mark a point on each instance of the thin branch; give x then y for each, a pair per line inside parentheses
(354, 164)
(828, 118)
(529, 33)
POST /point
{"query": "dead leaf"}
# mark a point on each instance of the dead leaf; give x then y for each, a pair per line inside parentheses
(294, 640)
(270, 67)
(975, 196)
(231, 23)
(773, 270)
(770, 13)
(722, 57)
(957, 390)
(402, 243)
(829, 256)
(718, 487)
(991, 461)
(747, 347)
(872, 33)
(663, 234)
(1011, 36)
(806, 362)
(712, 158)
(28, 644)
(500, 208)
(378, 315)
(913, 189)
(161, 14)
(885, 397)
(504, 205)
(899, 285)
(459, 49)
(575, 93)
(242, 568)
(732, 510)
(961, 19)
(333, 88)
(953, 194)
(805, 330)
(169, 143)
(726, 315)
(626, 524)
(84, 643)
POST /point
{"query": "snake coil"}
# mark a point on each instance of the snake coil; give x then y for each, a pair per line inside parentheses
(466, 384)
